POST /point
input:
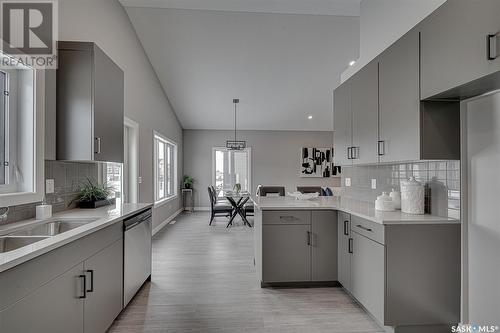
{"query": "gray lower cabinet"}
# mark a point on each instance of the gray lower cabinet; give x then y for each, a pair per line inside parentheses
(54, 307)
(324, 246)
(367, 274)
(344, 250)
(104, 302)
(364, 108)
(286, 253)
(454, 44)
(74, 288)
(299, 246)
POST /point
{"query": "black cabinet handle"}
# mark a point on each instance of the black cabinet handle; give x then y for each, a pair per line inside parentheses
(91, 289)
(364, 228)
(346, 226)
(84, 277)
(491, 43)
(97, 149)
(381, 148)
(349, 245)
(309, 238)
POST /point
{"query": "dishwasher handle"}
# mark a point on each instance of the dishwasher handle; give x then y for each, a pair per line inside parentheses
(137, 219)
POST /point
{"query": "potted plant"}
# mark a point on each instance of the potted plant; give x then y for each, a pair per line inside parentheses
(237, 188)
(93, 195)
(188, 182)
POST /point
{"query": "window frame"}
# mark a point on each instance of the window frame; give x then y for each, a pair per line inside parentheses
(214, 167)
(158, 137)
(6, 134)
(38, 168)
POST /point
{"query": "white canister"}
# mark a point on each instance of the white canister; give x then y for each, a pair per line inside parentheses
(43, 212)
(384, 203)
(396, 198)
(412, 197)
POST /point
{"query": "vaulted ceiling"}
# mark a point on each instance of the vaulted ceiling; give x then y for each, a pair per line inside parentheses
(283, 67)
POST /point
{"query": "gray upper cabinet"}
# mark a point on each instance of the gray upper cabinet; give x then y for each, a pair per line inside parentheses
(342, 124)
(399, 112)
(90, 104)
(324, 246)
(344, 249)
(50, 113)
(364, 108)
(454, 44)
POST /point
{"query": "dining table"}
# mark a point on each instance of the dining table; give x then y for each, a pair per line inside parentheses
(238, 202)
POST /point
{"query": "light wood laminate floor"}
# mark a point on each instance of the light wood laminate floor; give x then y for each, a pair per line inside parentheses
(204, 280)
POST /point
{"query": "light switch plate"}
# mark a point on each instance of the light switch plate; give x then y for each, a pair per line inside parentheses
(49, 186)
(348, 182)
(374, 184)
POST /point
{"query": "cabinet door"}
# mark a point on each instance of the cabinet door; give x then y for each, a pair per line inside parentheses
(454, 48)
(364, 108)
(324, 246)
(342, 124)
(104, 288)
(367, 274)
(399, 119)
(50, 113)
(108, 109)
(344, 256)
(286, 253)
(54, 307)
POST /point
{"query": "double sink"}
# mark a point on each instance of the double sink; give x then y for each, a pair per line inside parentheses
(34, 233)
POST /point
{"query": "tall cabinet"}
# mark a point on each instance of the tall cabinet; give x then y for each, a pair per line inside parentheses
(399, 113)
(90, 104)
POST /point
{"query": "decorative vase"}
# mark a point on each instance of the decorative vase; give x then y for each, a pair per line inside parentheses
(412, 197)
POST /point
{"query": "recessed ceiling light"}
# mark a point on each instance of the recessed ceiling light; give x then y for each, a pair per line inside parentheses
(309, 117)
(352, 62)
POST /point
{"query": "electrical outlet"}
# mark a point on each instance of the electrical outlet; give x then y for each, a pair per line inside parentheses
(348, 182)
(49, 186)
(374, 184)
(140, 180)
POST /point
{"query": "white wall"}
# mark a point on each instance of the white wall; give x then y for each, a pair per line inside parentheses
(275, 157)
(382, 22)
(106, 23)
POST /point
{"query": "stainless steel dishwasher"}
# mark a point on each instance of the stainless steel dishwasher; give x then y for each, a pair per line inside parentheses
(136, 253)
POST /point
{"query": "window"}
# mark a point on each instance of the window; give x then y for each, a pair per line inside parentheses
(21, 132)
(231, 167)
(165, 164)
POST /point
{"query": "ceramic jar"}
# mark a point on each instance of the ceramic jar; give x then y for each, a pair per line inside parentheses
(412, 197)
(396, 198)
(384, 203)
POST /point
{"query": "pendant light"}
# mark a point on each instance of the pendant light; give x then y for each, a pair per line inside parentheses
(235, 144)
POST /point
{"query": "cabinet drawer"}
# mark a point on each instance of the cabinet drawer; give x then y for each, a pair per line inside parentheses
(286, 217)
(372, 230)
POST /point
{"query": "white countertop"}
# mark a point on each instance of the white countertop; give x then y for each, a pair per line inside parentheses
(105, 216)
(358, 208)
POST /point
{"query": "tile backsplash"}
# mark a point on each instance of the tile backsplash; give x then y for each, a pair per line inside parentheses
(442, 180)
(67, 179)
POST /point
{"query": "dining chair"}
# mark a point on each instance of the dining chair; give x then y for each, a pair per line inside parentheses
(217, 209)
(310, 189)
(264, 191)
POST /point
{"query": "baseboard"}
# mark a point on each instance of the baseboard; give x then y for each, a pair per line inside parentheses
(167, 221)
(201, 209)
